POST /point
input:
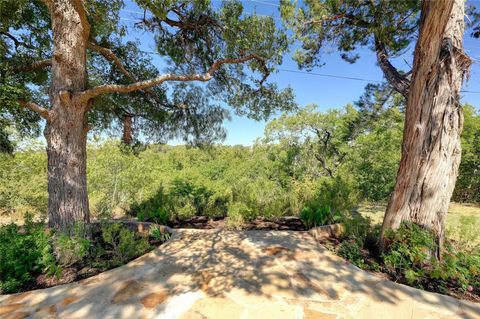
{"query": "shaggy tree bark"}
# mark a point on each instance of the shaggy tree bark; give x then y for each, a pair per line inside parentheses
(431, 141)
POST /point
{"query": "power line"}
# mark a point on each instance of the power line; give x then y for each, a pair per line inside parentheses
(266, 3)
(351, 78)
(314, 73)
(328, 75)
(247, 13)
(331, 76)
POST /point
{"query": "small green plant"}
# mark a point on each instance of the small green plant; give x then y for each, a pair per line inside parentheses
(409, 250)
(238, 215)
(159, 216)
(157, 234)
(356, 227)
(352, 251)
(313, 216)
(70, 249)
(123, 243)
(409, 253)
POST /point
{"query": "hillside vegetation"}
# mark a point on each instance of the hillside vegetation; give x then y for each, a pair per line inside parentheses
(290, 169)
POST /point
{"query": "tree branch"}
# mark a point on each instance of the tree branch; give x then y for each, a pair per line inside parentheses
(37, 65)
(109, 55)
(400, 83)
(16, 41)
(182, 23)
(115, 88)
(35, 108)
(80, 8)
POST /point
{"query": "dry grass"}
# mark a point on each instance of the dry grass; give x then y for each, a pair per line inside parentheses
(463, 220)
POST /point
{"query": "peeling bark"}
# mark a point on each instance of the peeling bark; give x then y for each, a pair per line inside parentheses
(431, 140)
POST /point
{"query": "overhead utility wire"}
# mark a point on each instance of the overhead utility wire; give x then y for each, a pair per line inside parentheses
(304, 72)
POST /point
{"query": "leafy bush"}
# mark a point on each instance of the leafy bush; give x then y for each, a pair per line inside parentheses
(157, 234)
(189, 200)
(182, 200)
(315, 215)
(160, 216)
(71, 249)
(338, 193)
(356, 227)
(361, 230)
(24, 253)
(409, 251)
(409, 254)
(352, 251)
(157, 208)
(238, 215)
(459, 267)
(122, 243)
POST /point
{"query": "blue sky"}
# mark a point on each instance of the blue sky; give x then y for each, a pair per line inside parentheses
(326, 92)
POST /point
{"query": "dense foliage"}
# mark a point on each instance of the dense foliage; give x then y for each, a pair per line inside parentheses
(31, 250)
(24, 253)
(468, 183)
(409, 257)
(282, 174)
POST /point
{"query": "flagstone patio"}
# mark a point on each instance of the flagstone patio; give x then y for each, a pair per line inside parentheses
(226, 274)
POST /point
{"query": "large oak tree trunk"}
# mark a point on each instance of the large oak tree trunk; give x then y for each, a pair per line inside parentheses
(431, 139)
(66, 128)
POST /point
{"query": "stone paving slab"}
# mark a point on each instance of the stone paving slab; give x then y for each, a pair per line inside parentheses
(210, 274)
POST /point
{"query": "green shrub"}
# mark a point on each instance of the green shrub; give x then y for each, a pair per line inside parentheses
(157, 208)
(339, 193)
(238, 214)
(314, 215)
(356, 227)
(360, 229)
(159, 216)
(157, 234)
(122, 243)
(188, 199)
(24, 253)
(352, 251)
(71, 249)
(461, 268)
(218, 204)
(409, 251)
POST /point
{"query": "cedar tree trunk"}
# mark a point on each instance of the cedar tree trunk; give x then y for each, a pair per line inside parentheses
(431, 140)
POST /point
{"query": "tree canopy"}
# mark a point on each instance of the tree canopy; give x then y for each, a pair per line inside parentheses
(233, 51)
(386, 27)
